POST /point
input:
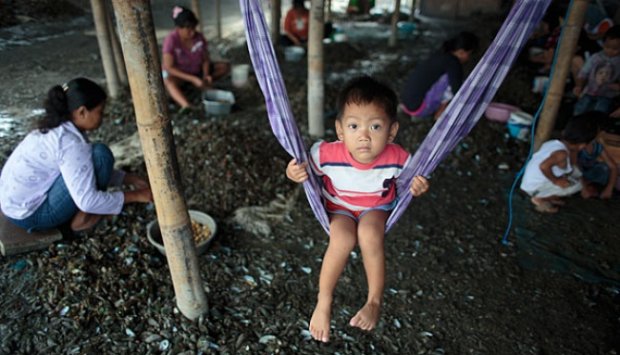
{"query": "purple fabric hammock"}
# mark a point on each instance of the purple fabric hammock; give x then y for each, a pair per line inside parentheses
(456, 122)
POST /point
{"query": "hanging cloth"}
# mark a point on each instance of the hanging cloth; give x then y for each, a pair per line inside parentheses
(456, 122)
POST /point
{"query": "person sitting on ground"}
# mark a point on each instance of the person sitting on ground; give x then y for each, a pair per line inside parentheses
(359, 174)
(56, 176)
(297, 25)
(600, 170)
(431, 85)
(598, 82)
(551, 174)
(186, 58)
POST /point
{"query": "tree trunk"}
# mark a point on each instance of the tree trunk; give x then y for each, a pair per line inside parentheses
(394, 29)
(566, 51)
(105, 47)
(144, 68)
(316, 85)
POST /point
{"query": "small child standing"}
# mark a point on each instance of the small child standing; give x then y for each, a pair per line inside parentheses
(598, 82)
(550, 175)
(359, 173)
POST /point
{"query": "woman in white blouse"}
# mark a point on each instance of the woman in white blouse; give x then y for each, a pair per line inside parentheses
(56, 176)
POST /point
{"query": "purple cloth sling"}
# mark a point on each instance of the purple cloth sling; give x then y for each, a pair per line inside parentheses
(461, 115)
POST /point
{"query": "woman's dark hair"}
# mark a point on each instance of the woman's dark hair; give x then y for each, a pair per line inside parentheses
(184, 17)
(582, 128)
(465, 40)
(367, 90)
(63, 99)
(299, 4)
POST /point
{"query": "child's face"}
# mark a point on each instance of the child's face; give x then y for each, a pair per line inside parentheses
(611, 47)
(365, 130)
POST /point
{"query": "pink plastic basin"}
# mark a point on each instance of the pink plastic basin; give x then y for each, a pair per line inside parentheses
(499, 112)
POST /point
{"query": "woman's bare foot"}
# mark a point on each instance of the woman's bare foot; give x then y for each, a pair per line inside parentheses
(321, 317)
(367, 317)
(83, 221)
(543, 205)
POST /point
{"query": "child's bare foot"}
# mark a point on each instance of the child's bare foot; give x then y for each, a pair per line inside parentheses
(367, 317)
(557, 201)
(544, 206)
(319, 323)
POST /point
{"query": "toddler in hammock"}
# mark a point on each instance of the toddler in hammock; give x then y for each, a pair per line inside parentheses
(359, 174)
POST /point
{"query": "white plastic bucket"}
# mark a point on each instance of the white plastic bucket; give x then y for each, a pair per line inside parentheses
(240, 75)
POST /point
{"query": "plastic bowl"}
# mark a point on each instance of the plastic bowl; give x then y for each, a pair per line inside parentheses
(499, 112)
(294, 53)
(218, 102)
(153, 232)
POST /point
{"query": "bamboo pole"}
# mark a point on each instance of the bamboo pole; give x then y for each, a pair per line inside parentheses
(394, 29)
(105, 47)
(276, 14)
(316, 85)
(196, 11)
(568, 44)
(121, 71)
(155, 130)
(218, 18)
(328, 12)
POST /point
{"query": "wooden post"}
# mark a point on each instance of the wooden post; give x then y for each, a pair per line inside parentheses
(328, 13)
(218, 17)
(566, 51)
(105, 47)
(394, 29)
(412, 13)
(196, 11)
(316, 85)
(121, 71)
(276, 14)
(149, 98)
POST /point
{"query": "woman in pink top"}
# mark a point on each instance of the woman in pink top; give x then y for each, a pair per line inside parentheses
(186, 58)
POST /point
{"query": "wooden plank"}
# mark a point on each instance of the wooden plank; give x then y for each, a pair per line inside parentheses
(15, 240)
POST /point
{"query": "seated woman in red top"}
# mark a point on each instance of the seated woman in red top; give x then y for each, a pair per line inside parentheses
(186, 57)
(297, 24)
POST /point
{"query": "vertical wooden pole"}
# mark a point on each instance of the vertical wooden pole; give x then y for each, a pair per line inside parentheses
(276, 13)
(412, 13)
(196, 11)
(105, 47)
(316, 85)
(394, 29)
(218, 17)
(121, 71)
(328, 13)
(566, 51)
(149, 98)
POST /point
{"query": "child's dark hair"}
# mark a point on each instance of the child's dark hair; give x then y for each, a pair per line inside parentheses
(299, 4)
(367, 90)
(63, 99)
(613, 33)
(582, 128)
(184, 17)
(465, 40)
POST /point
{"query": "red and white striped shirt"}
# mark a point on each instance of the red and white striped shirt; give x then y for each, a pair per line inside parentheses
(353, 185)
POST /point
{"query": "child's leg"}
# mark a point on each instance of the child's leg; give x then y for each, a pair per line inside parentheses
(370, 234)
(342, 240)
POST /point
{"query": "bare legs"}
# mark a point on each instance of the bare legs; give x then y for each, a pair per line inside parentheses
(173, 84)
(345, 234)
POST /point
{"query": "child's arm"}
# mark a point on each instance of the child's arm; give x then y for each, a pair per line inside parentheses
(419, 186)
(613, 175)
(557, 158)
(297, 172)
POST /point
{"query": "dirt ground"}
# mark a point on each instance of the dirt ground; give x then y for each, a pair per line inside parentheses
(452, 287)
